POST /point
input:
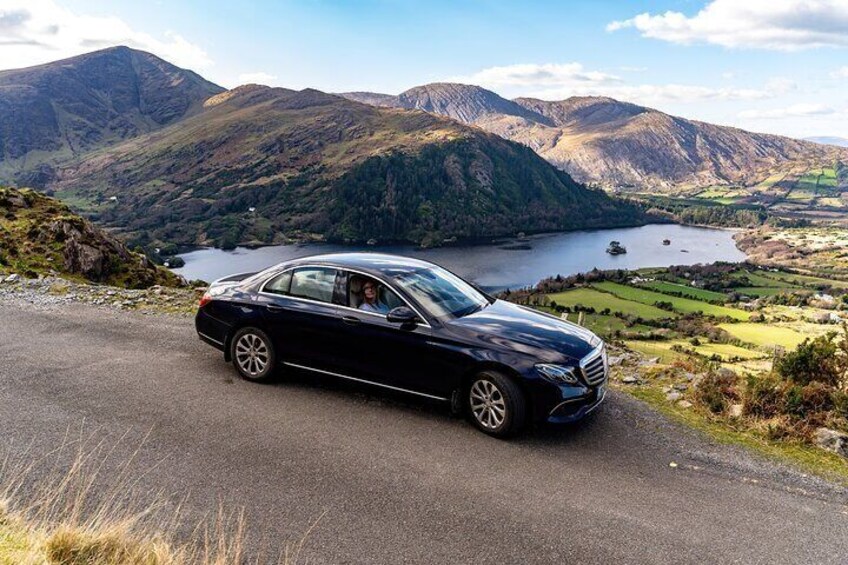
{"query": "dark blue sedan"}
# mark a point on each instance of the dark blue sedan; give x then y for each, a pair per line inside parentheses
(409, 326)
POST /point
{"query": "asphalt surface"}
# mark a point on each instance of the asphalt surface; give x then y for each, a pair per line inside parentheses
(395, 480)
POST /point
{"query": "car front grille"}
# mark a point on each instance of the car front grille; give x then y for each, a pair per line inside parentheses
(594, 366)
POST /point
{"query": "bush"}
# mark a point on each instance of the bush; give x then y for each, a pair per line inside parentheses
(840, 403)
(813, 361)
(716, 389)
(763, 397)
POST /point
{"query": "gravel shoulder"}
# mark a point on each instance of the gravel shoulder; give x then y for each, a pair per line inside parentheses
(393, 479)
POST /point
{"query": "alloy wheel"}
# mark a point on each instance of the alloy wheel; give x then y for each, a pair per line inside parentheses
(252, 354)
(487, 404)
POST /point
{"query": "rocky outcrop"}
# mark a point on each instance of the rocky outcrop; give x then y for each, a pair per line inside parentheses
(41, 235)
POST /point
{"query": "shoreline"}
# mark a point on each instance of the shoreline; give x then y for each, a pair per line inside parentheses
(504, 262)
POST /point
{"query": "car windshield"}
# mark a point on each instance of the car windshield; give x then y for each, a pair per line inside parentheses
(441, 293)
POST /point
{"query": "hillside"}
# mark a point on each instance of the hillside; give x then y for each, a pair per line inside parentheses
(618, 144)
(53, 112)
(40, 235)
(261, 164)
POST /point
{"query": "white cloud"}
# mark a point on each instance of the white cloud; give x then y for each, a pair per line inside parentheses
(781, 85)
(557, 81)
(38, 31)
(258, 77)
(794, 111)
(785, 25)
(533, 74)
(841, 72)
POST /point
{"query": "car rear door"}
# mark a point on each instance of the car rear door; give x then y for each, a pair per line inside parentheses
(301, 313)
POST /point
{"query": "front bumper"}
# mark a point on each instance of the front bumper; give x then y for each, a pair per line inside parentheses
(577, 408)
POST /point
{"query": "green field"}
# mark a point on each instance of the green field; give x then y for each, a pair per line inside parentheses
(759, 291)
(600, 300)
(727, 351)
(764, 335)
(660, 349)
(804, 280)
(606, 326)
(760, 279)
(809, 181)
(690, 291)
(828, 178)
(685, 305)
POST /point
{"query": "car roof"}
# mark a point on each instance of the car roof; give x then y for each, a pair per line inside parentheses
(378, 263)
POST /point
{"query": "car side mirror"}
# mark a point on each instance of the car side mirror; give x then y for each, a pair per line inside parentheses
(403, 316)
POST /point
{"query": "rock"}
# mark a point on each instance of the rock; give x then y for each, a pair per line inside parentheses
(651, 361)
(735, 411)
(667, 389)
(629, 379)
(832, 440)
(684, 404)
(725, 372)
(673, 396)
(615, 360)
(681, 386)
(14, 277)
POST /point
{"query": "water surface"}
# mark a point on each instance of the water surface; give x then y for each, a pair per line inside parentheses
(508, 263)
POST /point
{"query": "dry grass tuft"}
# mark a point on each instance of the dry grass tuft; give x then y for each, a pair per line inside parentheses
(79, 513)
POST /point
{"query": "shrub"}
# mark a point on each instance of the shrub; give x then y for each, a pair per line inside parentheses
(813, 361)
(840, 403)
(763, 397)
(716, 389)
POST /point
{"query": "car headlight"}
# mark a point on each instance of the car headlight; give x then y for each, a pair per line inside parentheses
(558, 374)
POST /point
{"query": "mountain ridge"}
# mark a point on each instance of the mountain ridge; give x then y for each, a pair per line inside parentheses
(600, 140)
(264, 165)
(57, 111)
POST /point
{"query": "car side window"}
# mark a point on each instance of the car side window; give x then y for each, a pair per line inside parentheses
(314, 283)
(279, 284)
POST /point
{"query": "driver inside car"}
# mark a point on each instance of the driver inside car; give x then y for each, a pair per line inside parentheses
(371, 299)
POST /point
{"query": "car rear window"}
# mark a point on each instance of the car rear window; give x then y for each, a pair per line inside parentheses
(314, 283)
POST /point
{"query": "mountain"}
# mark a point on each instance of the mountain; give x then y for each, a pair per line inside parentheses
(260, 164)
(617, 144)
(829, 140)
(53, 112)
(39, 234)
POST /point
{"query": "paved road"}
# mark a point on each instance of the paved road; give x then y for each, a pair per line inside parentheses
(398, 481)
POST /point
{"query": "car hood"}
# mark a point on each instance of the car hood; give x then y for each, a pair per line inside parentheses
(511, 326)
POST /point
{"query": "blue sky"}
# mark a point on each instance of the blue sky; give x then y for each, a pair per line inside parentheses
(778, 66)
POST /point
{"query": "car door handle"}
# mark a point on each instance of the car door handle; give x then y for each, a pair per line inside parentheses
(351, 320)
(275, 309)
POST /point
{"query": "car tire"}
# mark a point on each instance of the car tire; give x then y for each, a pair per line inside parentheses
(496, 404)
(253, 354)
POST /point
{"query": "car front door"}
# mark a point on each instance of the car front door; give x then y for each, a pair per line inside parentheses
(376, 350)
(301, 311)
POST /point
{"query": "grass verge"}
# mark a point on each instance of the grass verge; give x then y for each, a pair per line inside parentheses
(808, 458)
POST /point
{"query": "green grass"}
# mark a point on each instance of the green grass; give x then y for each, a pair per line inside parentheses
(685, 305)
(760, 279)
(764, 335)
(690, 291)
(727, 351)
(809, 181)
(759, 291)
(659, 349)
(600, 300)
(805, 280)
(827, 178)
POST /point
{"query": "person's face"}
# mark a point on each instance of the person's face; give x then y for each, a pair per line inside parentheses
(370, 291)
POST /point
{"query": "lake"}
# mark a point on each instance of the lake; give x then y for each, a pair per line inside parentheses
(506, 263)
